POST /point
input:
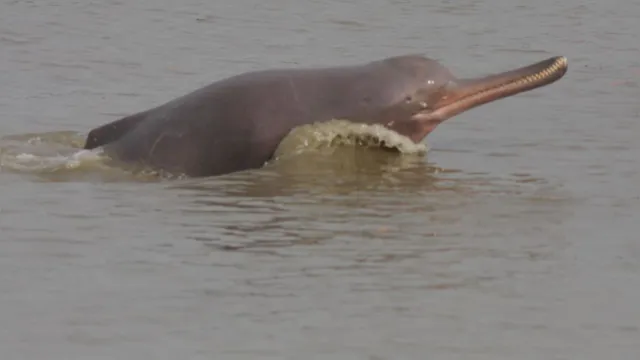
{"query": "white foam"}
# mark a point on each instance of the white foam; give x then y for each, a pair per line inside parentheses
(346, 133)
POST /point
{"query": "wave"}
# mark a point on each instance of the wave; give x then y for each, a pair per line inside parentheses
(59, 156)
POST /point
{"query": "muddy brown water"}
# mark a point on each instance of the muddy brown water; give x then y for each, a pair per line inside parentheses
(516, 236)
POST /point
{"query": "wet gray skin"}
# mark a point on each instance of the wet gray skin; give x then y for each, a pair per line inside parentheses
(237, 123)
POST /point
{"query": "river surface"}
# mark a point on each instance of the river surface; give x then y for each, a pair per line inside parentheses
(517, 235)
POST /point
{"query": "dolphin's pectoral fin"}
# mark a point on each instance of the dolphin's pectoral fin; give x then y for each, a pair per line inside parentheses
(112, 131)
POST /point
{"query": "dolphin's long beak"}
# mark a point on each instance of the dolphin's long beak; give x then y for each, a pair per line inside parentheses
(465, 94)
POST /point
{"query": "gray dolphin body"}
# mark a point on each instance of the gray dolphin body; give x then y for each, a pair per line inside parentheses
(237, 123)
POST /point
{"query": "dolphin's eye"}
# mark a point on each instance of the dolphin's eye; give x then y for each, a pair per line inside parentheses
(408, 99)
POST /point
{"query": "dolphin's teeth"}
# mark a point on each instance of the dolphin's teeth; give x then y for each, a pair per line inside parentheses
(558, 65)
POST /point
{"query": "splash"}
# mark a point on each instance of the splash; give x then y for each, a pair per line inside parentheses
(59, 156)
(52, 156)
(341, 133)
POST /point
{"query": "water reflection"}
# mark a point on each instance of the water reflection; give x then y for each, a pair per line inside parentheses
(342, 193)
(358, 194)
